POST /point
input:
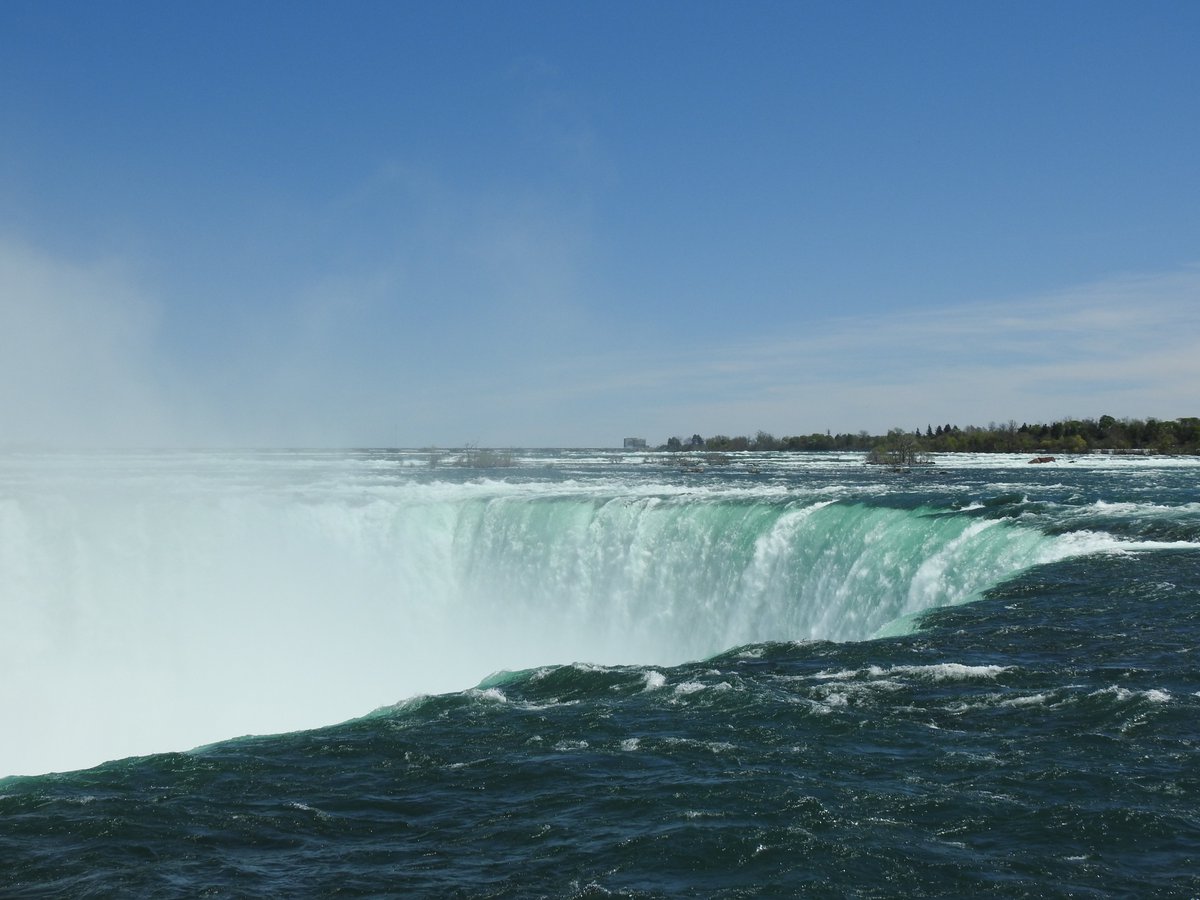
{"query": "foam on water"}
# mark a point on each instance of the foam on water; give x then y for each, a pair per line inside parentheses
(934, 672)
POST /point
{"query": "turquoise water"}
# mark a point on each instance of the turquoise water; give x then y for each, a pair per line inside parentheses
(599, 676)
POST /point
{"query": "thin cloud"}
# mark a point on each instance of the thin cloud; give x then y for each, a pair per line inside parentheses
(1128, 345)
(372, 359)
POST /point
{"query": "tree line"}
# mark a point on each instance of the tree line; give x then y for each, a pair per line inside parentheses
(1065, 436)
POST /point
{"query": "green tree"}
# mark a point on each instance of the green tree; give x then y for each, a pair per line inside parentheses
(899, 450)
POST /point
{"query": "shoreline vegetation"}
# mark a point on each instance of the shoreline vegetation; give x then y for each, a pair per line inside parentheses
(900, 447)
(903, 449)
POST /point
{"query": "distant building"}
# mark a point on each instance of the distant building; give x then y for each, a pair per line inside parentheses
(635, 443)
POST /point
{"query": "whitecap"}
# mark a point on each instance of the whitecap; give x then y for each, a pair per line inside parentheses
(950, 671)
(1154, 695)
(1028, 700)
(936, 672)
(564, 746)
(654, 680)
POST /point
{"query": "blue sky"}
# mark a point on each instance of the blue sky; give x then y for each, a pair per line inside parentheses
(548, 224)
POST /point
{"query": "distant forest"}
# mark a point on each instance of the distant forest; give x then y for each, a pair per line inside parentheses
(1106, 434)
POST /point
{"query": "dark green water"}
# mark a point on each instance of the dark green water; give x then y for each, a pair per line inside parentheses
(1041, 741)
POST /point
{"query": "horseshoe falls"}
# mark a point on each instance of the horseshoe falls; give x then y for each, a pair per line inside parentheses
(595, 674)
(232, 596)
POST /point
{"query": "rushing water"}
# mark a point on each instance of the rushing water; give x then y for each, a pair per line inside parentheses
(594, 675)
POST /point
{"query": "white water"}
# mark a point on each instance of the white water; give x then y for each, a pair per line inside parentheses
(160, 601)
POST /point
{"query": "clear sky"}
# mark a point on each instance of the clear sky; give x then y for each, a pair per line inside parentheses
(563, 223)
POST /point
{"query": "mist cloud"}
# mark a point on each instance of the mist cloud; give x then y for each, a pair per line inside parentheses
(77, 359)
